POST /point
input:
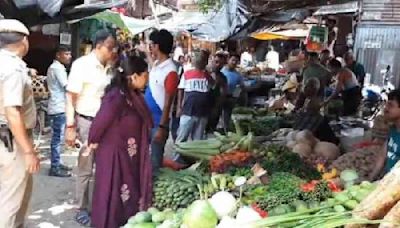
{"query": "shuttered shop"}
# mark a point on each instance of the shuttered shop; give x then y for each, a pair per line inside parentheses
(378, 46)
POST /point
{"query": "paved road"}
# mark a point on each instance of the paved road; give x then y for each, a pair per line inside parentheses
(52, 200)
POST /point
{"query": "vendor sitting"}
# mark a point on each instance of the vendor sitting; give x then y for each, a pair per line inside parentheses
(391, 153)
(310, 118)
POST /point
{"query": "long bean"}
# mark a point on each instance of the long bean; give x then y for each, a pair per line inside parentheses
(342, 222)
(319, 221)
(276, 220)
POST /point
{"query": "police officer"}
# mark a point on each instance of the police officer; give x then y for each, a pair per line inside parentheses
(18, 157)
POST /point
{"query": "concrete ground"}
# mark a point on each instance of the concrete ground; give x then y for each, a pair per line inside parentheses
(52, 203)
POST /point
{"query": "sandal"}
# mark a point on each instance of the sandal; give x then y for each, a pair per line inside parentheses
(83, 218)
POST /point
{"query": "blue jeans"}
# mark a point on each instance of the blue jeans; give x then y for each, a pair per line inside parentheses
(174, 127)
(58, 122)
(191, 126)
(157, 152)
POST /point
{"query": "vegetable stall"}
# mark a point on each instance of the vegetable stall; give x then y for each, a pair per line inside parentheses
(264, 174)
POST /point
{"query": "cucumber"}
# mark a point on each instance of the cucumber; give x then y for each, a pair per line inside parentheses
(201, 144)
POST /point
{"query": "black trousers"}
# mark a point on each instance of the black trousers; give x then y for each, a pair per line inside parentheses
(351, 101)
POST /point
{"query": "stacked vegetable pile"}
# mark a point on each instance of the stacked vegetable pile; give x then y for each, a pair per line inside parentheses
(334, 212)
(258, 122)
(176, 189)
(307, 146)
(286, 192)
(280, 159)
(221, 163)
(362, 160)
(153, 218)
(383, 202)
(206, 149)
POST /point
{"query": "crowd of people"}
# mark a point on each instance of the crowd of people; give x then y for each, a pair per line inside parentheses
(122, 107)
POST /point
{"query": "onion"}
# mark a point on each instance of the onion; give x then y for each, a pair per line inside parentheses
(290, 144)
(327, 150)
(302, 149)
(307, 137)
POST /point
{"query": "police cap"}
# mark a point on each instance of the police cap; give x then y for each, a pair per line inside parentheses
(12, 25)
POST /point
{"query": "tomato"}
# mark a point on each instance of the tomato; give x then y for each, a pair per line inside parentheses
(260, 211)
(333, 187)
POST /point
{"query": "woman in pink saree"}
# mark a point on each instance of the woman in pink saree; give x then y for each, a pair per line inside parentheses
(120, 133)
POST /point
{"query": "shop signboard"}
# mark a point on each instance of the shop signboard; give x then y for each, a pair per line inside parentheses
(317, 39)
(188, 5)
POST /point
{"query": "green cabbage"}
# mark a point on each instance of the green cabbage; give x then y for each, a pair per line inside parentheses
(349, 176)
(200, 214)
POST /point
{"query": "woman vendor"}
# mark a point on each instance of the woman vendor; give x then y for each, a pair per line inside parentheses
(347, 86)
(309, 116)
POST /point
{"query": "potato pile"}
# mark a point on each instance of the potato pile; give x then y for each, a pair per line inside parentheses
(306, 145)
(360, 160)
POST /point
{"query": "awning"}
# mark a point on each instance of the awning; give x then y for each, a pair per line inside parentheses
(279, 18)
(288, 31)
(295, 34)
(213, 26)
(350, 7)
(134, 26)
(34, 12)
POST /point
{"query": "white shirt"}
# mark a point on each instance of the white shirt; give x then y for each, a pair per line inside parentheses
(272, 59)
(88, 78)
(178, 52)
(157, 77)
(57, 81)
(246, 59)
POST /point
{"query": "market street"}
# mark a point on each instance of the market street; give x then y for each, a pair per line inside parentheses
(52, 199)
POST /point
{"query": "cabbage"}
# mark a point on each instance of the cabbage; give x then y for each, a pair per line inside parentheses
(349, 176)
(200, 214)
(140, 225)
(247, 215)
(227, 222)
(223, 203)
(141, 217)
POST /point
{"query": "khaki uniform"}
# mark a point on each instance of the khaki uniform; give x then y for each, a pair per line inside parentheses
(15, 182)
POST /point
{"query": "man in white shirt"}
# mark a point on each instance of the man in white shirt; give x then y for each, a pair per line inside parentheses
(86, 83)
(178, 51)
(248, 58)
(160, 93)
(57, 82)
(272, 58)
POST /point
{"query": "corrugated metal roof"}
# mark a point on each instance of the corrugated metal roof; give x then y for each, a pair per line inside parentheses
(350, 7)
(376, 47)
(381, 11)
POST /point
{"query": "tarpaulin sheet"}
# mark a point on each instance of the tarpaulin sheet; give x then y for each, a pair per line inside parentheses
(134, 26)
(213, 26)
